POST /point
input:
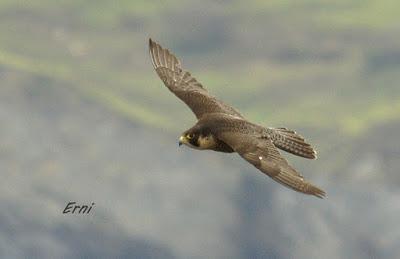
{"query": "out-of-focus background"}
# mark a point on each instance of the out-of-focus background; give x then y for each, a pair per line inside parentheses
(83, 117)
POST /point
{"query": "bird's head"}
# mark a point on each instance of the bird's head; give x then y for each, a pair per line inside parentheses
(197, 138)
(189, 138)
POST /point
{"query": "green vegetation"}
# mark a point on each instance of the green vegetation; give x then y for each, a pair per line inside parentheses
(337, 80)
(85, 118)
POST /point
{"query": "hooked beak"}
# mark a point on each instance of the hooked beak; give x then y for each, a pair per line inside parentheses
(182, 140)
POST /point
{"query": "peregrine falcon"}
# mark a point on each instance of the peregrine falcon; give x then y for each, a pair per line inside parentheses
(222, 128)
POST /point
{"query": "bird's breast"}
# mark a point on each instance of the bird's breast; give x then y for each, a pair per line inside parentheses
(206, 142)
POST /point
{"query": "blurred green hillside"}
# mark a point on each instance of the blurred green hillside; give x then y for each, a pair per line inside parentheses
(85, 118)
(334, 66)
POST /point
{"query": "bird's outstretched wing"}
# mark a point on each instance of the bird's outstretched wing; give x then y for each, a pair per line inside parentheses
(261, 152)
(183, 85)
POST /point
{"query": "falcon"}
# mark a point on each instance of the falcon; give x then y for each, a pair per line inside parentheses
(221, 128)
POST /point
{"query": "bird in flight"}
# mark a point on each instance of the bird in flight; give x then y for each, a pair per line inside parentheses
(222, 128)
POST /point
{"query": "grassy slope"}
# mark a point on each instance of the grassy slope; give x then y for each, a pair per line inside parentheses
(324, 58)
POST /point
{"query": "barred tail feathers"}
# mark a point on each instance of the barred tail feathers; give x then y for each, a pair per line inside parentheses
(290, 141)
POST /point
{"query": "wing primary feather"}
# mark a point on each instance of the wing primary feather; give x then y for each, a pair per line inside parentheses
(159, 57)
(185, 86)
(252, 147)
(151, 50)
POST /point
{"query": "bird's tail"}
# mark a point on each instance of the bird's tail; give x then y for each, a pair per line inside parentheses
(292, 142)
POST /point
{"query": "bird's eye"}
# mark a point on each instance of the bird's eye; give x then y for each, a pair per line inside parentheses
(190, 135)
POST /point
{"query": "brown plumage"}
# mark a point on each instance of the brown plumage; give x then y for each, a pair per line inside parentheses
(291, 142)
(221, 128)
